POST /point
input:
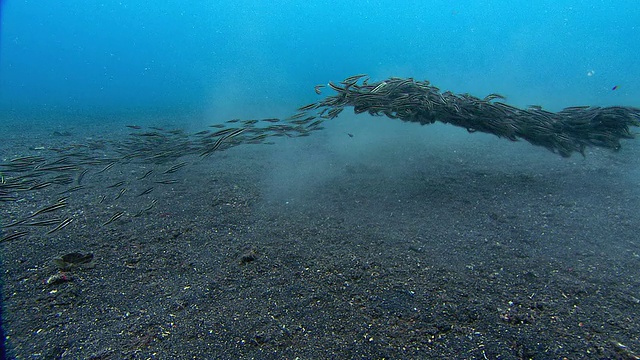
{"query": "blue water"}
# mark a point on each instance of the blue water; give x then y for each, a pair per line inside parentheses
(261, 58)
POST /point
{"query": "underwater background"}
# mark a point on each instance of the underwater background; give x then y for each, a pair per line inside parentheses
(133, 225)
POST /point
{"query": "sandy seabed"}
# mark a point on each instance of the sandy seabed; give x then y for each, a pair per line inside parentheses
(338, 247)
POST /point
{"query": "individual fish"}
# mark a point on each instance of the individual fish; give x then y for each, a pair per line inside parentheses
(122, 191)
(175, 168)
(145, 174)
(81, 176)
(575, 108)
(491, 97)
(354, 78)
(333, 113)
(63, 199)
(149, 207)
(216, 145)
(234, 133)
(259, 137)
(297, 115)
(41, 185)
(59, 168)
(15, 223)
(315, 123)
(28, 159)
(379, 87)
(222, 132)
(14, 236)
(118, 184)
(113, 218)
(62, 160)
(303, 121)
(176, 132)
(147, 191)
(308, 107)
(213, 148)
(150, 134)
(401, 83)
(336, 87)
(47, 209)
(170, 154)
(48, 222)
(61, 225)
(109, 166)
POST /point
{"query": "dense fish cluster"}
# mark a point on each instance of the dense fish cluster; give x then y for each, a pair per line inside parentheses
(564, 132)
(93, 174)
(84, 170)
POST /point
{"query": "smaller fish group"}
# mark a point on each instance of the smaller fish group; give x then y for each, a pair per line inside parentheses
(160, 156)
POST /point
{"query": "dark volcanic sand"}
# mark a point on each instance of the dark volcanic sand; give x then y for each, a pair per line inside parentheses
(482, 249)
